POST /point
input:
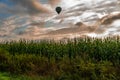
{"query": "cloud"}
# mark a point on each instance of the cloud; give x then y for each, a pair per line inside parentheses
(3, 7)
(54, 2)
(3, 10)
(30, 6)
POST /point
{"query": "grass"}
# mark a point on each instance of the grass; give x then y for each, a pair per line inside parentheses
(6, 76)
(78, 59)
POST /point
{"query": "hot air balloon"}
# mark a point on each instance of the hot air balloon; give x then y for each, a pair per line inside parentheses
(58, 10)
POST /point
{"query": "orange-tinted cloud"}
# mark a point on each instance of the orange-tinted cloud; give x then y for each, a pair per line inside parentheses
(54, 2)
(32, 6)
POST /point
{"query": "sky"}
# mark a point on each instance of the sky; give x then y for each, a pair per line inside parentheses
(32, 7)
(38, 19)
(8, 2)
(3, 4)
(8, 7)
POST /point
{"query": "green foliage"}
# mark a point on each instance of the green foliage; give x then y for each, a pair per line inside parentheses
(78, 59)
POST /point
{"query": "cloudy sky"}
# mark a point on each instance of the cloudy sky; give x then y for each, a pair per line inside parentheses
(36, 19)
(33, 6)
(21, 6)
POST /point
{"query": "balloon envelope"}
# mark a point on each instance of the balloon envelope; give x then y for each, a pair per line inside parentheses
(58, 10)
